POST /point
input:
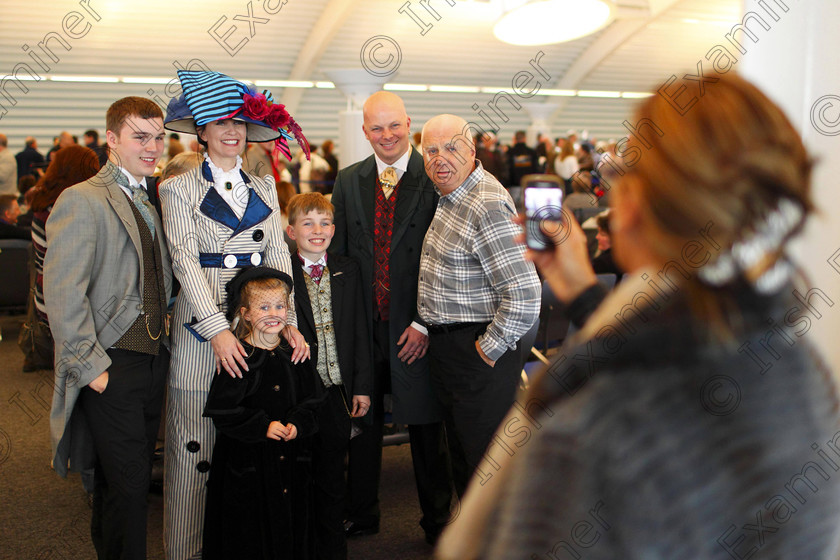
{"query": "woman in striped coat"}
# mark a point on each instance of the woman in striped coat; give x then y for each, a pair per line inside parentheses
(218, 220)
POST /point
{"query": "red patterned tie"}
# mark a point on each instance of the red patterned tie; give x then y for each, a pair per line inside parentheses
(315, 272)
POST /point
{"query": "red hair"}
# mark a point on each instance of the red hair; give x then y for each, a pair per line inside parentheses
(70, 165)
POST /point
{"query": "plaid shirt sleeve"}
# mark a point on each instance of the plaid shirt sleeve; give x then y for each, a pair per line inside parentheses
(510, 276)
(472, 269)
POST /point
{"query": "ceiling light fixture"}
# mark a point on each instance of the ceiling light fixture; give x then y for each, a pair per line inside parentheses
(597, 93)
(635, 94)
(96, 79)
(557, 92)
(454, 89)
(145, 80)
(284, 83)
(542, 22)
(405, 87)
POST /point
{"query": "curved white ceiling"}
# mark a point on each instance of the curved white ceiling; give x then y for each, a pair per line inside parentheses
(436, 42)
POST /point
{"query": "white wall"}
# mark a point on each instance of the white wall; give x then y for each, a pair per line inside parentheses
(795, 62)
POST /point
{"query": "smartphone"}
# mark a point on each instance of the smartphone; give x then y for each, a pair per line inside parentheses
(542, 200)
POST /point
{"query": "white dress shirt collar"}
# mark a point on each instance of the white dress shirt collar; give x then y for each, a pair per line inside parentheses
(401, 165)
(308, 264)
(131, 181)
(237, 196)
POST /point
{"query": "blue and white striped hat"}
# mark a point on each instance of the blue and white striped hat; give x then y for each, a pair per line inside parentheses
(211, 96)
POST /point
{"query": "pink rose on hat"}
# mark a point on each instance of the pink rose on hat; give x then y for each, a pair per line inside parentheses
(256, 106)
(277, 117)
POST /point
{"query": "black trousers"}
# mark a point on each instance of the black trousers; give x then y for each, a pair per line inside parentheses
(475, 396)
(124, 420)
(428, 454)
(329, 449)
(432, 474)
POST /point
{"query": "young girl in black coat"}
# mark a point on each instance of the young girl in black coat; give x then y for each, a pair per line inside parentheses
(259, 492)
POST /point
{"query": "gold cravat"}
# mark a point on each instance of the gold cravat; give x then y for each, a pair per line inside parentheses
(388, 180)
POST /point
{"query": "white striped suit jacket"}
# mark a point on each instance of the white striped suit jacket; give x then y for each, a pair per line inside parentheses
(200, 226)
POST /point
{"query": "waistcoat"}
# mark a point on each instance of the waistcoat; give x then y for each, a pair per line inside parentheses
(144, 335)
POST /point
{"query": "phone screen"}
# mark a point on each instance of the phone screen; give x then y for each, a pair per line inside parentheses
(541, 203)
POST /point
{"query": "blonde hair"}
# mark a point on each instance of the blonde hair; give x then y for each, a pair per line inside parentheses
(567, 150)
(243, 329)
(180, 164)
(730, 160)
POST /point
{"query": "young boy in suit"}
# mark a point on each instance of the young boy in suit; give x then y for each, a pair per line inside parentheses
(331, 317)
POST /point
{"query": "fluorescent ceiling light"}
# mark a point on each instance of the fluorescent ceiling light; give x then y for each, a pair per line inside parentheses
(406, 87)
(542, 22)
(557, 92)
(149, 80)
(100, 79)
(284, 83)
(635, 94)
(330, 85)
(591, 93)
(455, 89)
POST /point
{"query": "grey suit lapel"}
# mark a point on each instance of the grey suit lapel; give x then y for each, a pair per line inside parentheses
(121, 205)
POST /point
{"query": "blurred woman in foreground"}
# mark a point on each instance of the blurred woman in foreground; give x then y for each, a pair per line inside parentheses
(690, 417)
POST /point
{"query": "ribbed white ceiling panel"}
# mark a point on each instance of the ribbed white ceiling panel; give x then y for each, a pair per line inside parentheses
(142, 39)
(672, 44)
(459, 49)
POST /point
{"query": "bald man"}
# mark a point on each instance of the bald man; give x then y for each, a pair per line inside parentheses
(64, 139)
(477, 294)
(383, 206)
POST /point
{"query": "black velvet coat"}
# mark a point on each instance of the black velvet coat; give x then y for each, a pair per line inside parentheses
(259, 489)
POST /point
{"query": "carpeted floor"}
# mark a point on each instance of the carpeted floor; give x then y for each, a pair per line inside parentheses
(45, 517)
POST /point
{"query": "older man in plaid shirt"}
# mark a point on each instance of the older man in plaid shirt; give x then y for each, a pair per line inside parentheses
(476, 293)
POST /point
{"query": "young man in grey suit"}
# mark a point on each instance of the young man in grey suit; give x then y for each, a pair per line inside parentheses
(106, 287)
(383, 206)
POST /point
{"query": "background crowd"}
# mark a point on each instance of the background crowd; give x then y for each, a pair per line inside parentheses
(575, 159)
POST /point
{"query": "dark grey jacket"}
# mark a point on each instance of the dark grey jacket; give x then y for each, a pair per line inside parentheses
(647, 440)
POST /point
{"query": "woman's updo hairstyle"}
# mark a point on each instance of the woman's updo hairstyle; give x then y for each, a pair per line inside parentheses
(722, 157)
